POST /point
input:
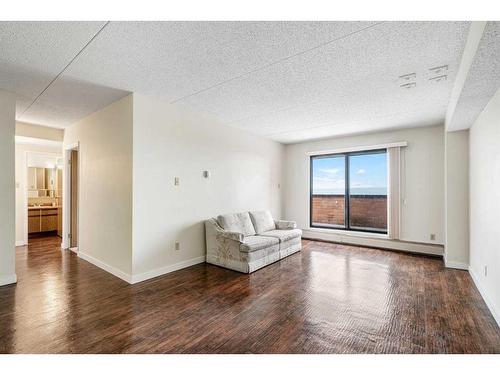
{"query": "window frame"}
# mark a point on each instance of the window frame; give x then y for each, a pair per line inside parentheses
(346, 155)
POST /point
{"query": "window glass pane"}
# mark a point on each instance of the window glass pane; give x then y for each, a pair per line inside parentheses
(368, 192)
(328, 191)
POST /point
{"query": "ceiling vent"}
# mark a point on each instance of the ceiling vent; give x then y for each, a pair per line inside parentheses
(438, 74)
(437, 79)
(408, 81)
(409, 85)
(438, 70)
(408, 78)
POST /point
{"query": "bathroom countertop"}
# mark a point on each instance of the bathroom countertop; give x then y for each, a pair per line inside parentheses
(43, 207)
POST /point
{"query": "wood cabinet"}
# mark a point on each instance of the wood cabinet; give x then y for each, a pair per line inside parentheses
(59, 222)
(34, 220)
(42, 220)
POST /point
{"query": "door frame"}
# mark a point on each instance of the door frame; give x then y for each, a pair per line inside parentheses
(25, 192)
(66, 243)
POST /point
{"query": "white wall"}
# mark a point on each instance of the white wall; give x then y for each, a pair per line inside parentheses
(105, 200)
(484, 185)
(457, 199)
(170, 142)
(21, 185)
(7, 189)
(24, 129)
(422, 179)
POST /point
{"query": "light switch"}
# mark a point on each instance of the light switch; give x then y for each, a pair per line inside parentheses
(176, 181)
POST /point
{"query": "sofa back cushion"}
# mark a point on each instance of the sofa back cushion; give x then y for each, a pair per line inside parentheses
(262, 221)
(239, 222)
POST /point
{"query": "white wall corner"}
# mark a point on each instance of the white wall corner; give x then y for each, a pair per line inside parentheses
(495, 310)
(167, 269)
(456, 265)
(8, 279)
(106, 267)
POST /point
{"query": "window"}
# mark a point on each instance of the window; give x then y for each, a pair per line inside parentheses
(349, 191)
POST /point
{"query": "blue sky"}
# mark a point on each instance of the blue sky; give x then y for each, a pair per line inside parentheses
(368, 174)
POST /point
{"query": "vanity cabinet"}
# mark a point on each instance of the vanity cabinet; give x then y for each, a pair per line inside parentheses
(42, 220)
(34, 221)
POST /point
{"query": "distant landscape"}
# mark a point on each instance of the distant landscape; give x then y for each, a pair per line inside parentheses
(353, 191)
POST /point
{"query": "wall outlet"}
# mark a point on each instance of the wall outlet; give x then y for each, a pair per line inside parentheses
(433, 237)
(177, 246)
(485, 271)
(176, 181)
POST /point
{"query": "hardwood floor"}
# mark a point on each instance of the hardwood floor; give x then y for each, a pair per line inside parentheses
(326, 299)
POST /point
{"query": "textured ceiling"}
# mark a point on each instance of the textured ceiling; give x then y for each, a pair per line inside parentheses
(482, 81)
(33, 54)
(289, 81)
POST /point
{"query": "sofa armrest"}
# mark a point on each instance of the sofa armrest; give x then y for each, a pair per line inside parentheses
(284, 224)
(235, 236)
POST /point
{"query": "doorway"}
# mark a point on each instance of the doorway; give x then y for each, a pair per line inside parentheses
(73, 186)
(71, 227)
(43, 196)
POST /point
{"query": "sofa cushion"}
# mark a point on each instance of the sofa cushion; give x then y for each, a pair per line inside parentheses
(239, 222)
(252, 243)
(283, 234)
(262, 221)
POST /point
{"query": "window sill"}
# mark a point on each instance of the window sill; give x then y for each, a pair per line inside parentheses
(351, 233)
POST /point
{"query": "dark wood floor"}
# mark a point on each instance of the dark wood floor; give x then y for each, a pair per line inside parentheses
(326, 299)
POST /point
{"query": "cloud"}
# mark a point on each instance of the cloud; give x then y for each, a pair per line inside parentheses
(325, 184)
(360, 171)
(330, 170)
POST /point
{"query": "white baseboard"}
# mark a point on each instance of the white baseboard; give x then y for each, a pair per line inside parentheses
(106, 267)
(374, 241)
(495, 311)
(133, 279)
(167, 269)
(21, 243)
(456, 265)
(9, 279)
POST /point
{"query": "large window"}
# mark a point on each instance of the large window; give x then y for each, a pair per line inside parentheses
(349, 191)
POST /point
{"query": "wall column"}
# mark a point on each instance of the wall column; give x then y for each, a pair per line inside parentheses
(7, 188)
(456, 185)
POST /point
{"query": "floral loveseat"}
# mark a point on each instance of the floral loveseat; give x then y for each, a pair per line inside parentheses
(247, 241)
